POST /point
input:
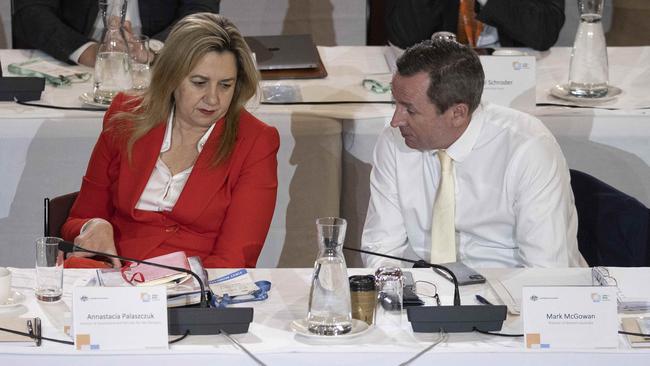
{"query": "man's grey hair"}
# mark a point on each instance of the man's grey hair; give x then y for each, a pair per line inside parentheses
(455, 72)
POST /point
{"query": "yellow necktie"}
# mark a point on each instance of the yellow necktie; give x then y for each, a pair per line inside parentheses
(443, 232)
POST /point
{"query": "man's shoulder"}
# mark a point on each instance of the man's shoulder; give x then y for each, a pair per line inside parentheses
(515, 122)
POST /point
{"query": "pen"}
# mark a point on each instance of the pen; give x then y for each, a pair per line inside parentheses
(483, 300)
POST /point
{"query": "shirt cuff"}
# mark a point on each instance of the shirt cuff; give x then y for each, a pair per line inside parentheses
(74, 56)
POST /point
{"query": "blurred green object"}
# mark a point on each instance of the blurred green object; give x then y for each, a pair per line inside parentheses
(54, 74)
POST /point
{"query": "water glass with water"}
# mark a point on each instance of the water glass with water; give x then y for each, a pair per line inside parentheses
(329, 297)
(49, 269)
(141, 59)
(389, 282)
(589, 70)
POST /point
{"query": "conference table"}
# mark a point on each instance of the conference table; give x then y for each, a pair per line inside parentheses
(271, 339)
(325, 156)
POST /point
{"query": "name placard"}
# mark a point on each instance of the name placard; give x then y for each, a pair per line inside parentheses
(510, 81)
(120, 318)
(570, 317)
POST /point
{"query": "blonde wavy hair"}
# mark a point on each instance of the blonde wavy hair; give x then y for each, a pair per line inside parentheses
(191, 38)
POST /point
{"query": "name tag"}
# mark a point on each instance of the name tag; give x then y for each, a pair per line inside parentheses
(570, 317)
(120, 318)
(509, 81)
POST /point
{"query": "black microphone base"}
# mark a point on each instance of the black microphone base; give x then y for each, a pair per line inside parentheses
(457, 319)
(201, 321)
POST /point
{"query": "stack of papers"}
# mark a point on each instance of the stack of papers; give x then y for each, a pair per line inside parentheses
(633, 290)
(182, 289)
(509, 287)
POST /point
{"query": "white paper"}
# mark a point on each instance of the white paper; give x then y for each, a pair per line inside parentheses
(508, 287)
(234, 284)
(509, 81)
(120, 318)
(570, 317)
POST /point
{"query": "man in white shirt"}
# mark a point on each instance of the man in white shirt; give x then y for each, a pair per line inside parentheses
(512, 203)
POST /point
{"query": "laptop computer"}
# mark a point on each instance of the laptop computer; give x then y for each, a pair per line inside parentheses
(296, 51)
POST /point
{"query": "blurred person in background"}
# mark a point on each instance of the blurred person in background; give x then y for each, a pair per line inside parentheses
(69, 30)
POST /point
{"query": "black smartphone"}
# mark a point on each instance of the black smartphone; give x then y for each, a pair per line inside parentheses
(409, 297)
(464, 274)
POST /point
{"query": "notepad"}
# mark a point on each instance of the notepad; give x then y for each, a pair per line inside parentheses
(147, 275)
(632, 325)
(18, 324)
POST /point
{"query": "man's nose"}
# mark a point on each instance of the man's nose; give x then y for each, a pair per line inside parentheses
(398, 119)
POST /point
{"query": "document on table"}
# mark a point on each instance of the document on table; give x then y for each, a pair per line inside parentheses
(509, 287)
(633, 290)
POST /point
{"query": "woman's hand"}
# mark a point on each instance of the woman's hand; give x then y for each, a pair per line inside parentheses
(98, 236)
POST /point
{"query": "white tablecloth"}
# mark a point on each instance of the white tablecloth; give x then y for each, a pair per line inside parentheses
(272, 341)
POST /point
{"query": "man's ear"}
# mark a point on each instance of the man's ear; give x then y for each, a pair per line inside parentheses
(460, 114)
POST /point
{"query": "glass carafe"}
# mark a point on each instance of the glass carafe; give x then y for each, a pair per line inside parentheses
(112, 65)
(329, 297)
(589, 72)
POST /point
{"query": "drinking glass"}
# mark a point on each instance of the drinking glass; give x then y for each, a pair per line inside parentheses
(329, 297)
(141, 59)
(389, 282)
(49, 269)
(589, 70)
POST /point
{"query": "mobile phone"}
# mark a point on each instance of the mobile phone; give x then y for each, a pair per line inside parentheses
(464, 274)
(409, 297)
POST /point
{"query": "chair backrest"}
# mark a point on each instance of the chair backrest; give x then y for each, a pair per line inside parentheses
(57, 212)
(613, 228)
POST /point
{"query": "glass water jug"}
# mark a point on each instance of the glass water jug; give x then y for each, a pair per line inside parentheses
(112, 65)
(589, 73)
(329, 297)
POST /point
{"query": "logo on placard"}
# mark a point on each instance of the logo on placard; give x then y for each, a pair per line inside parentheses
(516, 65)
(534, 298)
(84, 298)
(147, 297)
(595, 297)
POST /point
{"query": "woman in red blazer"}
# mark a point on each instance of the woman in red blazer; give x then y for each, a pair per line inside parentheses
(183, 167)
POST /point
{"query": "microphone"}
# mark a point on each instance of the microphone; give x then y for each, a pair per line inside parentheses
(451, 319)
(191, 320)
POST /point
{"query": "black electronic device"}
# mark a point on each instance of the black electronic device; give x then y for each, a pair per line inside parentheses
(20, 88)
(192, 320)
(464, 274)
(451, 319)
(409, 297)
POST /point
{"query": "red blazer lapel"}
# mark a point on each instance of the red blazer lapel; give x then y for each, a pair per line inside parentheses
(135, 175)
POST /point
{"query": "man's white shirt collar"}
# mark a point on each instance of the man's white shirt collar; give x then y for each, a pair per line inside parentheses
(461, 148)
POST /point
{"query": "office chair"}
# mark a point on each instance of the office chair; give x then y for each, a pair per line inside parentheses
(56, 212)
(613, 228)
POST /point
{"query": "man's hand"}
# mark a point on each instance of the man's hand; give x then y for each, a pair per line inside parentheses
(97, 236)
(88, 56)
